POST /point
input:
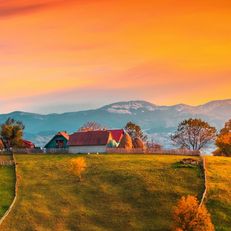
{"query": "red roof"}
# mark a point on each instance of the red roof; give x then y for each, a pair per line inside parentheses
(117, 134)
(64, 134)
(89, 138)
(28, 144)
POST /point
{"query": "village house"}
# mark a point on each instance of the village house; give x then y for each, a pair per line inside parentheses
(117, 134)
(59, 141)
(93, 141)
(28, 144)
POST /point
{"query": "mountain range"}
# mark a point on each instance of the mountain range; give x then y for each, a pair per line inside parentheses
(157, 121)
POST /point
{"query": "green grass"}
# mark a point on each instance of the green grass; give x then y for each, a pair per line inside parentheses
(7, 183)
(118, 192)
(219, 193)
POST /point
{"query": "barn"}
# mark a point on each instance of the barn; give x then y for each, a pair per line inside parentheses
(117, 134)
(89, 142)
(60, 140)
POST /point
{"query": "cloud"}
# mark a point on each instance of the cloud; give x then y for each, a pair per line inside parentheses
(14, 8)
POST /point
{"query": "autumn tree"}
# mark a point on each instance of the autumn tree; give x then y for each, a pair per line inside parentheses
(223, 141)
(193, 134)
(135, 131)
(188, 215)
(226, 129)
(91, 126)
(12, 133)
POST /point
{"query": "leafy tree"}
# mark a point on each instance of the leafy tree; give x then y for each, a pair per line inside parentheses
(91, 126)
(227, 128)
(135, 131)
(223, 141)
(193, 134)
(189, 216)
(126, 142)
(12, 133)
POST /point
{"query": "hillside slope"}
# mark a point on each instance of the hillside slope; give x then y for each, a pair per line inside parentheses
(118, 192)
(219, 185)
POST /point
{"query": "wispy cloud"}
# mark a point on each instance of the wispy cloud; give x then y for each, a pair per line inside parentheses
(13, 8)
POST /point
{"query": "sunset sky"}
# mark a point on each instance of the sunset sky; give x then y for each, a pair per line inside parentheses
(67, 55)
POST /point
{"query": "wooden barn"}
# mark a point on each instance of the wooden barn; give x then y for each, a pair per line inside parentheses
(60, 140)
(89, 142)
(117, 134)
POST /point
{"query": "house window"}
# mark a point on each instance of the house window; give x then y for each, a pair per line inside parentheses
(59, 144)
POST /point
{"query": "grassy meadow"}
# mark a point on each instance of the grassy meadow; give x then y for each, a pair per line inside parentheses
(7, 184)
(219, 193)
(118, 192)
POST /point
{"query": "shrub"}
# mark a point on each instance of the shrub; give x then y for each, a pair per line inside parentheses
(223, 143)
(78, 166)
(189, 216)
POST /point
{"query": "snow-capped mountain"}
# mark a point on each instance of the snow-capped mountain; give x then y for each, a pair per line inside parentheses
(156, 120)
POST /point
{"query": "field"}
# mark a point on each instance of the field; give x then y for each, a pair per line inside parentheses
(118, 192)
(219, 194)
(7, 179)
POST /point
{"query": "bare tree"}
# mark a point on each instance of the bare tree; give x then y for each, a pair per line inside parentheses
(91, 126)
(193, 134)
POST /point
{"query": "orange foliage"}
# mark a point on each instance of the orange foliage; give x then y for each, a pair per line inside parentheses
(223, 143)
(78, 166)
(189, 216)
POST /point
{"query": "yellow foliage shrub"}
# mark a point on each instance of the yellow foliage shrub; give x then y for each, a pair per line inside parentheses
(223, 143)
(189, 216)
(78, 166)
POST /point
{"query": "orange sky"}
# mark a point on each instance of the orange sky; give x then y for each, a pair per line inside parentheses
(62, 55)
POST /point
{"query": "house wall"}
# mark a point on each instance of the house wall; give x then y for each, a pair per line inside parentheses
(87, 149)
(52, 143)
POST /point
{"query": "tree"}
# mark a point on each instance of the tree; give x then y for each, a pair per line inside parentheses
(12, 133)
(154, 145)
(126, 142)
(223, 141)
(193, 134)
(227, 128)
(78, 166)
(135, 131)
(91, 126)
(188, 215)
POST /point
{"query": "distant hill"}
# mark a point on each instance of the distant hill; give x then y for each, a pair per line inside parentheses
(157, 121)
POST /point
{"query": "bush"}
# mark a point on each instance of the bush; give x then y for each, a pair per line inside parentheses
(189, 216)
(223, 143)
(78, 166)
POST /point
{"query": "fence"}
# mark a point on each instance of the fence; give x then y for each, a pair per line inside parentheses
(39, 150)
(183, 152)
(205, 182)
(108, 150)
